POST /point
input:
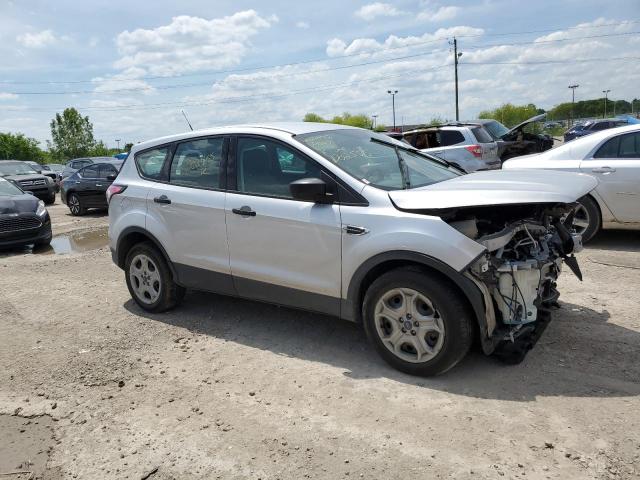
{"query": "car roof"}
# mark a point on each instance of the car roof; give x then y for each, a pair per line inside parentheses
(293, 128)
(581, 146)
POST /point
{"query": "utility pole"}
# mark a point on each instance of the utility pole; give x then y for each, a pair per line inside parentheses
(393, 103)
(573, 100)
(606, 94)
(456, 56)
(374, 119)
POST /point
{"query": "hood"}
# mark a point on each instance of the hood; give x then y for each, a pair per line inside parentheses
(19, 178)
(537, 118)
(497, 187)
(18, 204)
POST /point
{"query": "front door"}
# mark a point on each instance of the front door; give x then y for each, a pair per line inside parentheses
(616, 165)
(86, 186)
(282, 250)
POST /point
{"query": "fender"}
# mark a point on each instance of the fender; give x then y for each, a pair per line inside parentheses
(119, 255)
(351, 306)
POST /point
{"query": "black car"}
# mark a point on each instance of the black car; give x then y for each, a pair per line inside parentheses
(29, 180)
(23, 218)
(516, 141)
(87, 188)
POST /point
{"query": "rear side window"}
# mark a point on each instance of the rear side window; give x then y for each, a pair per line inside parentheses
(450, 137)
(481, 135)
(150, 162)
(197, 163)
(89, 172)
(106, 169)
(600, 126)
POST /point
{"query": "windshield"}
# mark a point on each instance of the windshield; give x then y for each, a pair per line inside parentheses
(55, 167)
(8, 188)
(17, 168)
(377, 160)
(496, 129)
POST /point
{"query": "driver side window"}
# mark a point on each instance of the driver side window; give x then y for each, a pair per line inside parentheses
(267, 168)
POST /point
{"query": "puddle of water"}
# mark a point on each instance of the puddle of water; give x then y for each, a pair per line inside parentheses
(67, 243)
(79, 242)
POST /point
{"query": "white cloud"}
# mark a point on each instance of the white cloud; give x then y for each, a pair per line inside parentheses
(373, 10)
(303, 25)
(440, 15)
(37, 40)
(190, 44)
(8, 96)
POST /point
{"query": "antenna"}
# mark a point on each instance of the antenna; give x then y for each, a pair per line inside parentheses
(188, 122)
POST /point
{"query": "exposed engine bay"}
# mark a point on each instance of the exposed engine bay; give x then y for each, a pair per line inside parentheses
(526, 246)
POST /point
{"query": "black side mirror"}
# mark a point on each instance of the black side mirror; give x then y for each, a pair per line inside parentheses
(310, 190)
(111, 177)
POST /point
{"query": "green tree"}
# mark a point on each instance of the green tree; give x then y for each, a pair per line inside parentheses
(128, 147)
(71, 134)
(16, 146)
(313, 117)
(511, 115)
(360, 120)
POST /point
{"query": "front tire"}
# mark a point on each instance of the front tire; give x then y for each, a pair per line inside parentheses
(51, 199)
(149, 279)
(587, 218)
(418, 323)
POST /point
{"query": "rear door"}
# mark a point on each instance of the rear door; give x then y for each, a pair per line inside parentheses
(105, 170)
(85, 186)
(282, 250)
(616, 165)
(185, 205)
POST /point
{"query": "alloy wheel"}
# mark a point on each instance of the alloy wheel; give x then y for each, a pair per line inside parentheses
(581, 219)
(409, 325)
(145, 279)
(74, 204)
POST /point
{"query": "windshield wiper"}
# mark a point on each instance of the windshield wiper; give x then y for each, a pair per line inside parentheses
(404, 171)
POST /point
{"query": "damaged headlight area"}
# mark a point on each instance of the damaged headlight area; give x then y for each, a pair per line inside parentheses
(526, 246)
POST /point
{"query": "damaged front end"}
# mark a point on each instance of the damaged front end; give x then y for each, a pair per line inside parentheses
(526, 246)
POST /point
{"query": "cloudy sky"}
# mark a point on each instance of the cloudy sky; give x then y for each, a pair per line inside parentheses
(133, 68)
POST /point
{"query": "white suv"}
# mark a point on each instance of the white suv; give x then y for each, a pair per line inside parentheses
(350, 223)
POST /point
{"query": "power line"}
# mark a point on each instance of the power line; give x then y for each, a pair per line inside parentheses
(302, 62)
(320, 70)
(268, 96)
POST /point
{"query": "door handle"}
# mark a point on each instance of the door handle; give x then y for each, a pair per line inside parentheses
(77, 182)
(603, 170)
(98, 184)
(244, 211)
(162, 199)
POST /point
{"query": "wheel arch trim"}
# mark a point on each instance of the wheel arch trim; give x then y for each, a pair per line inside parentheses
(121, 255)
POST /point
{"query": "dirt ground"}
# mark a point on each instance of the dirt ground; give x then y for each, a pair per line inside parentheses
(91, 387)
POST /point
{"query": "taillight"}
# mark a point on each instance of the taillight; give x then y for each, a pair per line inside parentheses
(115, 190)
(476, 150)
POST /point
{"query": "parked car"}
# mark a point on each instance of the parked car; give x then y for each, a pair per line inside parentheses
(24, 219)
(72, 166)
(29, 180)
(45, 170)
(613, 157)
(352, 223)
(517, 141)
(592, 126)
(468, 146)
(87, 187)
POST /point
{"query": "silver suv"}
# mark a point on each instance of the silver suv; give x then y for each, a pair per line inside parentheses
(468, 146)
(350, 223)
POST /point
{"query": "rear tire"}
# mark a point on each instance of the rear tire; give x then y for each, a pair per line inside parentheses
(588, 214)
(149, 279)
(75, 205)
(50, 200)
(438, 329)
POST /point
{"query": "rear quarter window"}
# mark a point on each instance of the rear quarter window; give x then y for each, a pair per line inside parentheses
(150, 162)
(482, 136)
(450, 137)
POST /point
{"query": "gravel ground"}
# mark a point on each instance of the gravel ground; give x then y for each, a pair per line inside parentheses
(93, 387)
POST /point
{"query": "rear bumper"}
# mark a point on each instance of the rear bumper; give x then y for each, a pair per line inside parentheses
(18, 238)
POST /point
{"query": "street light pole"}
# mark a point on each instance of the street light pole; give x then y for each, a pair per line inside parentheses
(393, 103)
(118, 142)
(374, 119)
(573, 100)
(606, 94)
